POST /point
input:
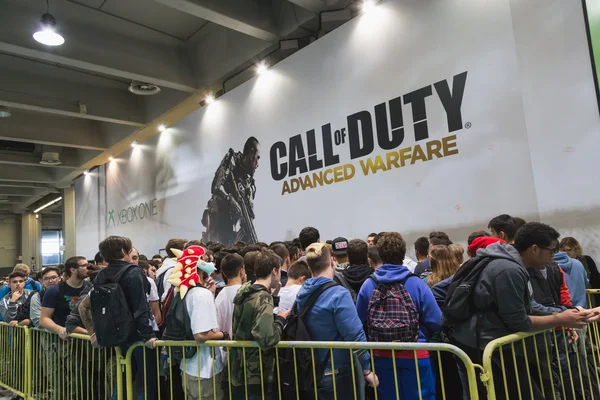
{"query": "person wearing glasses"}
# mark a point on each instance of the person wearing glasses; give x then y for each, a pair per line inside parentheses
(59, 300)
(50, 277)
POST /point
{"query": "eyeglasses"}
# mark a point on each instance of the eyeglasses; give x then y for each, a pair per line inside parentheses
(51, 278)
(552, 251)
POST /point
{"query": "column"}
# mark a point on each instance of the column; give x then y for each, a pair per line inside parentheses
(69, 222)
(31, 241)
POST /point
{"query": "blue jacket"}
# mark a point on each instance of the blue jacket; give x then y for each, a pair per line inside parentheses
(577, 280)
(430, 316)
(440, 291)
(29, 285)
(333, 318)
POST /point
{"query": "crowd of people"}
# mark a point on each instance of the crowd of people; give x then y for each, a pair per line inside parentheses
(518, 277)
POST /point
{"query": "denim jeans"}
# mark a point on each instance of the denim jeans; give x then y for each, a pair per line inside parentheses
(343, 385)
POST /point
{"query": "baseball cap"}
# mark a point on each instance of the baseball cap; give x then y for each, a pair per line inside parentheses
(340, 246)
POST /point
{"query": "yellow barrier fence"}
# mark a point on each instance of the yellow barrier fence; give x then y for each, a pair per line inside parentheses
(72, 368)
(407, 377)
(553, 364)
(15, 350)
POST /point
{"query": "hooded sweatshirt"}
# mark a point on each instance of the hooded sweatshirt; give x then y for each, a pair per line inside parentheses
(356, 275)
(332, 318)
(133, 284)
(503, 293)
(577, 280)
(253, 320)
(430, 316)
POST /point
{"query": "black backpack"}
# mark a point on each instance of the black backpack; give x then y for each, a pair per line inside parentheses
(113, 320)
(459, 305)
(160, 285)
(302, 368)
(178, 328)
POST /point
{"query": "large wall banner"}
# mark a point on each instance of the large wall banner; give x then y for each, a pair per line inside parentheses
(413, 117)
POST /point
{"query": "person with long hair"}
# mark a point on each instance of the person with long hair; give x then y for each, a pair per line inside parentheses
(443, 264)
(458, 252)
(571, 246)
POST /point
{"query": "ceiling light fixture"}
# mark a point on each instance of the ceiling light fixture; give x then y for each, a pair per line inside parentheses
(134, 144)
(47, 205)
(47, 35)
(368, 5)
(261, 68)
(86, 172)
(111, 158)
(162, 127)
(210, 98)
(4, 112)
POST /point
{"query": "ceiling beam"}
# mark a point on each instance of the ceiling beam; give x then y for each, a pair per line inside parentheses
(32, 160)
(17, 173)
(46, 129)
(29, 185)
(91, 67)
(238, 16)
(71, 114)
(313, 5)
(18, 191)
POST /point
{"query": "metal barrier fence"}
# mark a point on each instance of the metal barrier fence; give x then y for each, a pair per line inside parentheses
(15, 371)
(72, 369)
(553, 364)
(409, 375)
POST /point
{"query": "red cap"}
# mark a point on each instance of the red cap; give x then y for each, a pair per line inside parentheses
(481, 243)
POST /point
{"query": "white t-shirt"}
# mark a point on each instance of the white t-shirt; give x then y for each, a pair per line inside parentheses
(287, 296)
(224, 303)
(153, 296)
(410, 264)
(203, 318)
(167, 266)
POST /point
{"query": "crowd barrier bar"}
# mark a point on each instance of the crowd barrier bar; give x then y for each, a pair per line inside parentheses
(163, 347)
(567, 369)
(15, 350)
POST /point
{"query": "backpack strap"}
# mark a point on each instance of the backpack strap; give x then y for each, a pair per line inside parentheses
(372, 276)
(314, 297)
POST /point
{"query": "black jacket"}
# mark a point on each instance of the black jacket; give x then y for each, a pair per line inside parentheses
(546, 290)
(134, 286)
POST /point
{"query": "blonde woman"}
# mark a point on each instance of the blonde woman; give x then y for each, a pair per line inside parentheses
(443, 264)
(571, 246)
(458, 252)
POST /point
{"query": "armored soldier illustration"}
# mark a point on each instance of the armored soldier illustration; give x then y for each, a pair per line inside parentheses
(229, 215)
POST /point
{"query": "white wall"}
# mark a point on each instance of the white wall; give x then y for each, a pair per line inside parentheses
(529, 99)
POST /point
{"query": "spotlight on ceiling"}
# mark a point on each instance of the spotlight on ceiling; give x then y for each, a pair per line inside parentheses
(134, 144)
(261, 68)
(162, 127)
(47, 34)
(86, 172)
(210, 98)
(368, 5)
(111, 158)
(4, 112)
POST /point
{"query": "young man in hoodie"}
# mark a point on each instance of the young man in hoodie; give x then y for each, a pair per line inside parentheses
(392, 250)
(576, 276)
(30, 284)
(358, 270)
(503, 296)
(333, 317)
(253, 320)
(117, 250)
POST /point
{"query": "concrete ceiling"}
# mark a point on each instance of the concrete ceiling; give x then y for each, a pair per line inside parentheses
(74, 99)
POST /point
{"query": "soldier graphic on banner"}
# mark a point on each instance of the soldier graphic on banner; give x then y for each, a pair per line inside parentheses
(229, 215)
